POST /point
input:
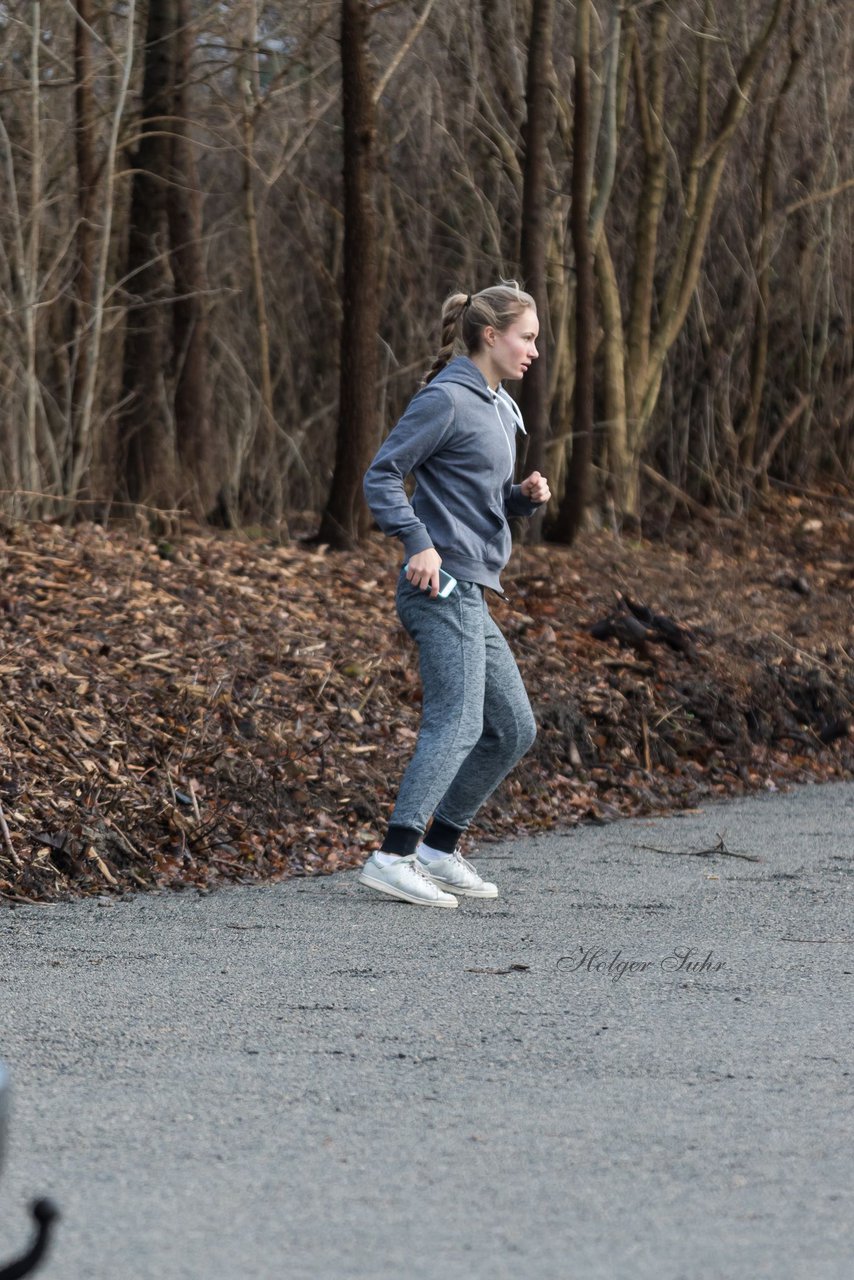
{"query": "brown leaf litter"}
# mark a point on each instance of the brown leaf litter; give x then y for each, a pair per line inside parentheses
(214, 707)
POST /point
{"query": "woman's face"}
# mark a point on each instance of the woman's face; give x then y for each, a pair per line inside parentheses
(512, 350)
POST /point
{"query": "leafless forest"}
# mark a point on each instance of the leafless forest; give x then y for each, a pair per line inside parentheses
(226, 231)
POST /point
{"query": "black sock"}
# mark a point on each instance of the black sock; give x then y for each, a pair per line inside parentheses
(401, 840)
(443, 836)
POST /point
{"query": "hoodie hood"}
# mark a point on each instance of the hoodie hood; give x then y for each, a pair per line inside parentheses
(464, 373)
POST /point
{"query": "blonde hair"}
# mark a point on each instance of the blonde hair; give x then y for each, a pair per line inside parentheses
(465, 316)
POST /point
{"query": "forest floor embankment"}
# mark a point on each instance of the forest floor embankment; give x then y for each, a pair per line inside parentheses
(178, 711)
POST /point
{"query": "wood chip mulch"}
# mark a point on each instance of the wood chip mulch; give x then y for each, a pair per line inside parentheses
(178, 712)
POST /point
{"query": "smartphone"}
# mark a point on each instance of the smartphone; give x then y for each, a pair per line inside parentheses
(446, 582)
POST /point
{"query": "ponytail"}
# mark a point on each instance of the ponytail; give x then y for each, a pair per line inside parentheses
(452, 314)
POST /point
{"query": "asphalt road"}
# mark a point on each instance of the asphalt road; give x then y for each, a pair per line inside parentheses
(310, 1080)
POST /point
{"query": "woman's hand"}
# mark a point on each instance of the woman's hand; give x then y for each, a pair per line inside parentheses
(423, 570)
(536, 487)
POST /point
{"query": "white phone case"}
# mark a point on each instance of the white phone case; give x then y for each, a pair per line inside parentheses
(446, 582)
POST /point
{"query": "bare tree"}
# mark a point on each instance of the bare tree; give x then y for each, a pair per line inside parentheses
(264, 480)
(85, 141)
(535, 230)
(201, 465)
(576, 496)
(800, 23)
(146, 425)
(84, 437)
(345, 519)
(178, 287)
(656, 316)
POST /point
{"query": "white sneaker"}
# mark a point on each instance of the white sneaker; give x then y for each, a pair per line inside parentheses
(455, 873)
(404, 878)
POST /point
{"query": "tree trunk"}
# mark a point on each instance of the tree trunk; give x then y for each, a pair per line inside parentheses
(534, 239)
(346, 518)
(146, 431)
(201, 469)
(764, 252)
(621, 479)
(650, 105)
(30, 469)
(261, 486)
(85, 443)
(84, 151)
(576, 496)
(614, 75)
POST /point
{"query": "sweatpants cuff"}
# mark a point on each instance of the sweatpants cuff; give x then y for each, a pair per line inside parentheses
(401, 840)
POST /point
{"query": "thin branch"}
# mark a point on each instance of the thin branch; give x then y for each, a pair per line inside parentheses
(720, 848)
(7, 839)
(413, 35)
(819, 195)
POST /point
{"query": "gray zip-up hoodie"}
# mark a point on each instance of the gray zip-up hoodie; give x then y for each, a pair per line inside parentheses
(458, 438)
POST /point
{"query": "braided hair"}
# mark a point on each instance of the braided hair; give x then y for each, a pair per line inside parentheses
(465, 316)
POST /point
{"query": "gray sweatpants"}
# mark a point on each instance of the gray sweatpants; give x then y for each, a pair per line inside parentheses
(476, 721)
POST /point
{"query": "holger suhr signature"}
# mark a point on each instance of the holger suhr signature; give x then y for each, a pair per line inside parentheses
(615, 966)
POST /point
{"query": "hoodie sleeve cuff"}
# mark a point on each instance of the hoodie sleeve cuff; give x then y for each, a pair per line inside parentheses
(518, 505)
(417, 540)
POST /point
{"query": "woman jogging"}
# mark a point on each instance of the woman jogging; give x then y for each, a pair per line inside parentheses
(458, 438)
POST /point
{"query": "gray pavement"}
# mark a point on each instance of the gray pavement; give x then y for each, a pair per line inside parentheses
(309, 1080)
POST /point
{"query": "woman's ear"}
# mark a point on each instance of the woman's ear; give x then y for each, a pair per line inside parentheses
(489, 336)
